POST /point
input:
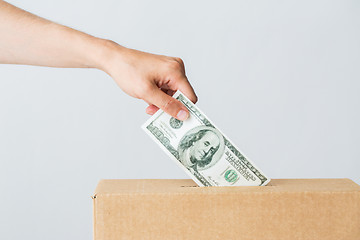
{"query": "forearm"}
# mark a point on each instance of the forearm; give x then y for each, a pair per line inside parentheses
(31, 40)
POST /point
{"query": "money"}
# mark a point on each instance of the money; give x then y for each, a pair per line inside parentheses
(201, 150)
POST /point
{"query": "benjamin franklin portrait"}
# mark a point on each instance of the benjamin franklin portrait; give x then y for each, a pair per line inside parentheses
(201, 147)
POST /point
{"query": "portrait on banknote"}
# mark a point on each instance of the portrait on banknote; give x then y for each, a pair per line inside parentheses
(201, 147)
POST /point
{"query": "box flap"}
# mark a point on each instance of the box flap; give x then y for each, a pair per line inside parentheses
(143, 186)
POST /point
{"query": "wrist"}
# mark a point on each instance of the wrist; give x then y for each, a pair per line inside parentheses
(104, 54)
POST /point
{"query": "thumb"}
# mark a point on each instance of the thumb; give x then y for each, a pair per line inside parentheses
(168, 104)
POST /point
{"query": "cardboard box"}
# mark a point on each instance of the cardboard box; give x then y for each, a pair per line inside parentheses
(286, 209)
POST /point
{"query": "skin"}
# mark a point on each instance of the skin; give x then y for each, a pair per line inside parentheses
(202, 147)
(31, 40)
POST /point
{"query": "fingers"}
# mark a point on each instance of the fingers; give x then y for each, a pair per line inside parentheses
(184, 86)
(159, 95)
(182, 83)
(151, 109)
(168, 104)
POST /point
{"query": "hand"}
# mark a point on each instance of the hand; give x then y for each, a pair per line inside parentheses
(153, 78)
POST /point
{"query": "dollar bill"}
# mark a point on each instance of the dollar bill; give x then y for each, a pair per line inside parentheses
(202, 150)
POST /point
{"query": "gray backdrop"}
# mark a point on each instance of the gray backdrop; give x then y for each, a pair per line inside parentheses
(279, 78)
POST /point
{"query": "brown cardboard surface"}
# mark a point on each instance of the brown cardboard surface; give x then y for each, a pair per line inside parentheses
(296, 209)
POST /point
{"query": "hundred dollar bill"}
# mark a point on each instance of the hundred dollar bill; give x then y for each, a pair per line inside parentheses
(201, 150)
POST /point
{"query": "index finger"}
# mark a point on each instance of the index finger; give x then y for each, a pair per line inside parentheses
(185, 87)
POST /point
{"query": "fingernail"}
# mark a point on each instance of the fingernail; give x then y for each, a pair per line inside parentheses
(182, 115)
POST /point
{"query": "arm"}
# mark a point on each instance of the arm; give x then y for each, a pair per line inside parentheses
(31, 40)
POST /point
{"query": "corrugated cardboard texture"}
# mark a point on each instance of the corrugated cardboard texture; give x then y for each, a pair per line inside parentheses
(286, 209)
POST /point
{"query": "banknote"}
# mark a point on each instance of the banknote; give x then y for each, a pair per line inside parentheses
(202, 150)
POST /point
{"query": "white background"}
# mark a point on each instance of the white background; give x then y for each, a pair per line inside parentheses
(279, 78)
